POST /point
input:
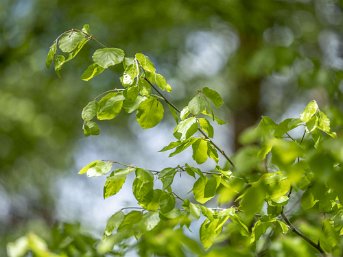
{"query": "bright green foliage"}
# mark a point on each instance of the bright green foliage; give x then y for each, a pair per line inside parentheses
(262, 183)
(107, 57)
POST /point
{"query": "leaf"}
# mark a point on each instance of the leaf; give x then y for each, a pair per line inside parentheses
(113, 222)
(212, 152)
(110, 106)
(166, 202)
(90, 128)
(309, 111)
(150, 112)
(211, 186)
(70, 41)
(204, 189)
(183, 146)
(18, 248)
(214, 96)
(91, 71)
(107, 57)
(285, 126)
(131, 106)
(195, 210)
(170, 146)
(151, 220)
(130, 75)
(184, 113)
(200, 148)
(252, 200)
(89, 111)
(323, 122)
(197, 105)
(186, 128)
(51, 54)
(308, 200)
(96, 168)
(115, 181)
(167, 177)
(86, 29)
(130, 220)
(159, 80)
(59, 61)
(206, 126)
(143, 186)
(145, 62)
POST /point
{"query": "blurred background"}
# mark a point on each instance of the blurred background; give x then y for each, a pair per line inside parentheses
(265, 57)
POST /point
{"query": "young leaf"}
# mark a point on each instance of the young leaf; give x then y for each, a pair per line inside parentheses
(70, 40)
(214, 96)
(151, 220)
(150, 112)
(90, 128)
(107, 57)
(89, 111)
(200, 148)
(59, 61)
(86, 29)
(143, 186)
(131, 106)
(115, 181)
(131, 220)
(309, 111)
(198, 104)
(183, 146)
(186, 128)
(110, 106)
(114, 222)
(204, 189)
(252, 200)
(91, 71)
(206, 126)
(130, 75)
(167, 202)
(145, 62)
(96, 168)
(51, 54)
(167, 177)
(285, 126)
(159, 80)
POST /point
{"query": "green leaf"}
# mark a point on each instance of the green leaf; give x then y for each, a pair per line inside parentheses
(183, 146)
(206, 126)
(107, 57)
(114, 222)
(259, 229)
(186, 128)
(91, 71)
(151, 220)
(130, 220)
(210, 230)
(150, 112)
(51, 54)
(96, 168)
(212, 152)
(86, 29)
(184, 113)
(309, 111)
(115, 181)
(70, 41)
(90, 128)
(145, 62)
(167, 177)
(211, 186)
(204, 189)
(195, 210)
(170, 146)
(214, 96)
(323, 122)
(143, 186)
(166, 202)
(308, 200)
(286, 125)
(131, 106)
(59, 61)
(89, 111)
(110, 106)
(200, 148)
(198, 104)
(252, 200)
(159, 80)
(130, 75)
(18, 248)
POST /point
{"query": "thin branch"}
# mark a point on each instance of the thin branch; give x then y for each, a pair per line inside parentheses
(299, 233)
(199, 129)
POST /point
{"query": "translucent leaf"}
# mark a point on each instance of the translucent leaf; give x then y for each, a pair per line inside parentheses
(130, 75)
(91, 71)
(150, 112)
(115, 181)
(130, 220)
(70, 40)
(96, 168)
(195, 210)
(89, 111)
(286, 125)
(309, 111)
(204, 189)
(151, 220)
(197, 105)
(184, 113)
(159, 81)
(143, 186)
(211, 186)
(323, 122)
(51, 54)
(131, 106)
(90, 128)
(170, 146)
(252, 200)
(114, 222)
(200, 148)
(186, 128)
(107, 57)
(166, 202)
(18, 248)
(183, 146)
(59, 61)
(86, 29)
(214, 96)
(167, 177)
(212, 152)
(206, 126)
(145, 62)
(308, 200)
(110, 106)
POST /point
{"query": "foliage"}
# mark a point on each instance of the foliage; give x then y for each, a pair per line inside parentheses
(279, 195)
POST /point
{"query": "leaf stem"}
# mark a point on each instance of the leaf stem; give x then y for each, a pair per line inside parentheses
(299, 233)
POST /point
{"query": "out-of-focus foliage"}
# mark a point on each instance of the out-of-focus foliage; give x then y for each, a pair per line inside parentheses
(263, 56)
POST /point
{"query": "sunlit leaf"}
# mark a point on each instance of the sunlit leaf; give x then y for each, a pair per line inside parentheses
(145, 62)
(89, 111)
(115, 181)
(309, 111)
(198, 104)
(214, 96)
(107, 57)
(114, 222)
(186, 128)
(200, 148)
(96, 168)
(167, 177)
(51, 54)
(110, 106)
(70, 40)
(91, 71)
(90, 128)
(150, 112)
